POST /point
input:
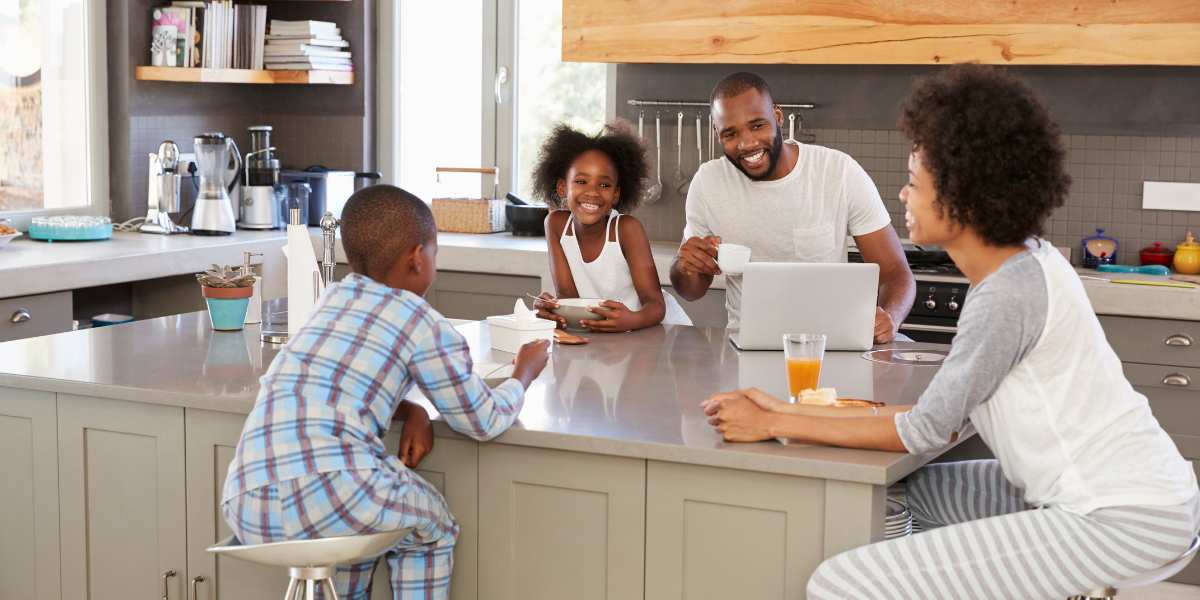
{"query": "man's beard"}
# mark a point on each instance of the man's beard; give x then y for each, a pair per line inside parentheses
(773, 155)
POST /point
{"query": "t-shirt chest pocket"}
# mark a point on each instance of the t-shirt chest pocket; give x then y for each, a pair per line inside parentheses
(814, 243)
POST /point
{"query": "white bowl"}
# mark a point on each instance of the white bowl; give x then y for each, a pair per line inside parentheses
(575, 310)
(732, 258)
(5, 239)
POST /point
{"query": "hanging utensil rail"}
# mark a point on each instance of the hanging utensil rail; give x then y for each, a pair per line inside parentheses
(676, 103)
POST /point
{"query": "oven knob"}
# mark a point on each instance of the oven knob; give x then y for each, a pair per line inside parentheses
(952, 305)
(930, 303)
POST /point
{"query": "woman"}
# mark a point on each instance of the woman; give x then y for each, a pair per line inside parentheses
(1031, 370)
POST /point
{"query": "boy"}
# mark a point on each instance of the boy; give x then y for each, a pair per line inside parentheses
(311, 461)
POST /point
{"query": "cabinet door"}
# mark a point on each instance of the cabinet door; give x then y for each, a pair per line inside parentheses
(211, 440)
(122, 499)
(723, 533)
(453, 468)
(29, 564)
(556, 524)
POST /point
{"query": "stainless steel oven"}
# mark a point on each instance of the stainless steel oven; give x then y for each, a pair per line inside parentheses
(934, 316)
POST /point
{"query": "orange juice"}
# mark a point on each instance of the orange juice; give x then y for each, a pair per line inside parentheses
(803, 374)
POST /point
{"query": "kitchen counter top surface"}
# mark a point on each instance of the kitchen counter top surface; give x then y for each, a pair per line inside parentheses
(635, 394)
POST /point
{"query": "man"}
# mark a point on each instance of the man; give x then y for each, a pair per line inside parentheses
(788, 202)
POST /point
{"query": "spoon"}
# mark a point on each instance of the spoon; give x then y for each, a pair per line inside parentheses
(650, 189)
(792, 127)
(699, 145)
(654, 190)
(682, 184)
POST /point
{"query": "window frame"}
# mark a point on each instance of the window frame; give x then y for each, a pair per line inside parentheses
(95, 44)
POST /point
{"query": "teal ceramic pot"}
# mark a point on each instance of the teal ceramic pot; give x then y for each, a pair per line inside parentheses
(227, 307)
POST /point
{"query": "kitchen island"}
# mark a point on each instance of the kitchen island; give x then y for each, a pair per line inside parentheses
(114, 444)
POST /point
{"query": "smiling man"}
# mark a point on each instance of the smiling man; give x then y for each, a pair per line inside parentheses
(788, 202)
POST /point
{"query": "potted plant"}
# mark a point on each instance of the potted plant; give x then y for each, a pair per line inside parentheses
(227, 292)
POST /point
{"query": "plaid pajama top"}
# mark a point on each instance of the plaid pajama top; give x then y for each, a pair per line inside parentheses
(328, 397)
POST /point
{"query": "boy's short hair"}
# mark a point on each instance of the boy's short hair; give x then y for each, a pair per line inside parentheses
(565, 144)
(995, 155)
(382, 222)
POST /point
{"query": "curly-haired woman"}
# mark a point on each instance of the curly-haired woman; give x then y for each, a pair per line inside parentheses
(596, 250)
(1030, 369)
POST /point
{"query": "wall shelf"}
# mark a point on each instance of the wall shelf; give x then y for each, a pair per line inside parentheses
(192, 75)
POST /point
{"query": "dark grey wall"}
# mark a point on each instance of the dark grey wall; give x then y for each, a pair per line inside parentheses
(314, 124)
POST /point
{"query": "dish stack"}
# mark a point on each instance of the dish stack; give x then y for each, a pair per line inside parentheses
(898, 522)
(306, 46)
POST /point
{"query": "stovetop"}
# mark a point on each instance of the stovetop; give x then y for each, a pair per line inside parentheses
(921, 260)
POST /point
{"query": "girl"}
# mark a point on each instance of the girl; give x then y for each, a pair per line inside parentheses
(1030, 368)
(597, 251)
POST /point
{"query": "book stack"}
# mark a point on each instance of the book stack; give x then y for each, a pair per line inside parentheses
(211, 35)
(307, 46)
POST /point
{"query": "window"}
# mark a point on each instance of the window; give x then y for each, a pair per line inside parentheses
(477, 83)
(53, 132)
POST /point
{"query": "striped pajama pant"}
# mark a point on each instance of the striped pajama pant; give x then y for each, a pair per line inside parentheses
(355, 503)
(983, 541)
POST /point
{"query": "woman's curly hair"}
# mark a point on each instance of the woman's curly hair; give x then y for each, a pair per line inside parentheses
(565, 144)
(995, 155)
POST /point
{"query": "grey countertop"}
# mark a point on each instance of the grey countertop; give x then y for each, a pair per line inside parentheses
(635, 394)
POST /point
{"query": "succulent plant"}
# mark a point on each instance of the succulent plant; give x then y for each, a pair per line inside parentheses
(225, 277)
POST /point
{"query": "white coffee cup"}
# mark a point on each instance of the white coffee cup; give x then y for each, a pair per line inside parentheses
(732, 258)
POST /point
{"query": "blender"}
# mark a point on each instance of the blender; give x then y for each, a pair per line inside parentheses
(213, 211)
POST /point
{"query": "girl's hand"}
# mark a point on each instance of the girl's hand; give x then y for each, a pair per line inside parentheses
(616, 317)
(416, 438)
(738, 418)
(543, 304)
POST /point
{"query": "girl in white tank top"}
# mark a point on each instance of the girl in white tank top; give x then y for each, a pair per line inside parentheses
(591, 179)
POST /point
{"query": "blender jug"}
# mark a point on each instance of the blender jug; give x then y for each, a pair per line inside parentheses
(218, 163)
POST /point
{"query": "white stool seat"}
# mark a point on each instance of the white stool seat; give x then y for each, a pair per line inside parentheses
(312, 553)
(1150, 577)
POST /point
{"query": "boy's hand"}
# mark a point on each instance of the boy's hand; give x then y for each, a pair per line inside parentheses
(416, 438)
(530, 361)
(543, 304)
(616, 317)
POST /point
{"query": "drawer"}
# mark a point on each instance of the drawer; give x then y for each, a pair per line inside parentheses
(1154, 341)
(31, 316)
(1174, 394)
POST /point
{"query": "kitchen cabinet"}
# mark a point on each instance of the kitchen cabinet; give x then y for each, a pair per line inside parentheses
(475, 296)
(29, 547)
(122, 503)
(556, 524)
(724, 533)
(1161, 358)
(31, 316)
(210, 443)
(1021, 32)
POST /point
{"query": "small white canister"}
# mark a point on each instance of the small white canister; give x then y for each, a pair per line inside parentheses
(510, 332)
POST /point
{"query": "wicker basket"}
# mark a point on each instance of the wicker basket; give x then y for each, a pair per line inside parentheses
(469, 215)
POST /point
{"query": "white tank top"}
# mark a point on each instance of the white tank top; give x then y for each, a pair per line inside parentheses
(608, 277)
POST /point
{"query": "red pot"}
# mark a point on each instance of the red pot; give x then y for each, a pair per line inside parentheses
(1156, 255)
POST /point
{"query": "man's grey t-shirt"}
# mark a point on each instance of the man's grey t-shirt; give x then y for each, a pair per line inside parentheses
(803, 217)
(1002, 319)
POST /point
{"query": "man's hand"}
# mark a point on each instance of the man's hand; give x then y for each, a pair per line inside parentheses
(416, 438)
(738, 418)
(543, 304)
(698, 256)
(885, 328)
(616, 317)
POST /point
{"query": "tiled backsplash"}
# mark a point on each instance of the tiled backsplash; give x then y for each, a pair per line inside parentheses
(1106, 192)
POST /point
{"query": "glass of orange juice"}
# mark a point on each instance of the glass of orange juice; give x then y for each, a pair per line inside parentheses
(803, 353)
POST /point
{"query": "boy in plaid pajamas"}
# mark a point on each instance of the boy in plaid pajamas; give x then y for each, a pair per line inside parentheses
(311, 461)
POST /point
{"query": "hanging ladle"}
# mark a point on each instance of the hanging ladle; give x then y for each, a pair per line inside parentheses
(654, 191)
(680, 178)
(651, 190)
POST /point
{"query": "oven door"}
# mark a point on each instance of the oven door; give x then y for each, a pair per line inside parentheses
(928, 330)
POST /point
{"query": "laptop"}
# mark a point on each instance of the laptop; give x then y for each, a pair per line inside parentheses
(836, 299)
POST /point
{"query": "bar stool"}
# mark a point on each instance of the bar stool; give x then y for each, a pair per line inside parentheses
(311, 563)
(1160, 574)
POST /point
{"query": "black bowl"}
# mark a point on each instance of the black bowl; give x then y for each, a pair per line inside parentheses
(527, 220)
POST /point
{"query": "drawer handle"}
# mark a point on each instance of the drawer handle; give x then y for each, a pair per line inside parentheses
(1179, 340)
(22, 315)
(1177, 379)
(166, 591)
(195, 582)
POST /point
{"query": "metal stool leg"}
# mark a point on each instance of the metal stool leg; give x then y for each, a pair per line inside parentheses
(332, 590)
(290, 594)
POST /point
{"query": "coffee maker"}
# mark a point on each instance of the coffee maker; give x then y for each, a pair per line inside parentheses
(162, 197)
(261, 192)
(218, 165)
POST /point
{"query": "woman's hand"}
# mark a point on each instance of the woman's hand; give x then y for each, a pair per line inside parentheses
(615, 317)
(543, 304)
(738, 417)
(416, 438)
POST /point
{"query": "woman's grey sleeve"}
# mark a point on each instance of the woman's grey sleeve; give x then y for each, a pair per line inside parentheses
(1001, 321)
